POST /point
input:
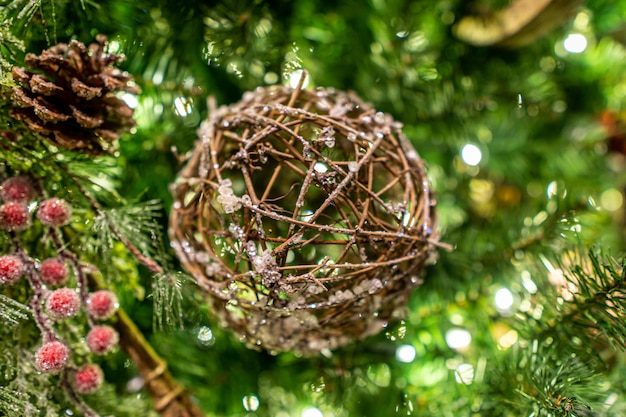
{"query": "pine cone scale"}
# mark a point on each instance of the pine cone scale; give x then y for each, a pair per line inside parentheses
(47, 112)
(39, 85)
(85, 120)
(20, 75)
(85, 91)
(22, 99)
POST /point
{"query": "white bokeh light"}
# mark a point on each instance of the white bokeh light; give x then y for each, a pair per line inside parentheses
(458, 338)
(575, 43)
(320, 167)
(405, 353)
(182, 106)
(250, 402)
(130, 100)
(504, 299)
(471, 154)
(295, 76)
(464, 373)
(312, 412)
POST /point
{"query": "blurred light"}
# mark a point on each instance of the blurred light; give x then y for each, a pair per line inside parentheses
(250, 402)
(458, 338)
(135, 384)
(405, 353)
(525, 306)
(575, 43)
(182, 106)
(557, 278)
(157, 78)
(504, 299)
(205, 336)
(611, 199)
(481, 191)
(295, 76)
(554, 189)
(312, 412)
(528, 283)
(464, 373)
(270, 78)
(559, 106)
(113, 47)
(508, 339)
(471, 154)
(547, 64)
(582, 20)
(130, 100)
(320, 167)
(379, 374)
(541, 217)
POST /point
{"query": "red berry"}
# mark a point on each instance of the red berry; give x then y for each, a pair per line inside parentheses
(52, 357)
(54, 212)
(11, 269)
(14, 216)
(102, 304)
(53, 271)
(63, 303)
(101, 339)
(17, 189)
(87, 379)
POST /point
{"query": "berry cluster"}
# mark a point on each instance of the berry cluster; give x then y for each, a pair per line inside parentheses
(51, 304)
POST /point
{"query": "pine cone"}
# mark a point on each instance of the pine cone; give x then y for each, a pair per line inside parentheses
(67, 95)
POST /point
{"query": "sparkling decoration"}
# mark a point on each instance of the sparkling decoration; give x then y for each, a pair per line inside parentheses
(53, 271)
(17, 189)
(63, 303)
(14, 216)
(11, 269)
(87, 379)
(52, 357)
(102, 304)
(68, 96)
(306, 216)
(101, 339)
(54, 212)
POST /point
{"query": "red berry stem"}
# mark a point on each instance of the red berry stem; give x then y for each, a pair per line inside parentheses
(42, 321)
(36, 304)
(81, 279)
(74, 397)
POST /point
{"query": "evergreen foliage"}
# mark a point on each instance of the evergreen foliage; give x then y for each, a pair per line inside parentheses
(537, 275)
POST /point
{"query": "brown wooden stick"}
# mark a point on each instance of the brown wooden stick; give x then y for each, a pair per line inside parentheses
(516, 25)
(170, 398)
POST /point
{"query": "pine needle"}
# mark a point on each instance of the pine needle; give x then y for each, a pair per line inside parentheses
(167, 297)
(16, 403)
(12, 312)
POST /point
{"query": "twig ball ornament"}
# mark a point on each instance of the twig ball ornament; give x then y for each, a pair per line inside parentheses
(306, 216)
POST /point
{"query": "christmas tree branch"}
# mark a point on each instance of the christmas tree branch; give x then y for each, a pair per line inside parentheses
(170, 399)
(97, 209)
(549, 382)
(591, 295)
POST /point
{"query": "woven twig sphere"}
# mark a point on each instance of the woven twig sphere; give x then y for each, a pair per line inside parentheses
(305, 215)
